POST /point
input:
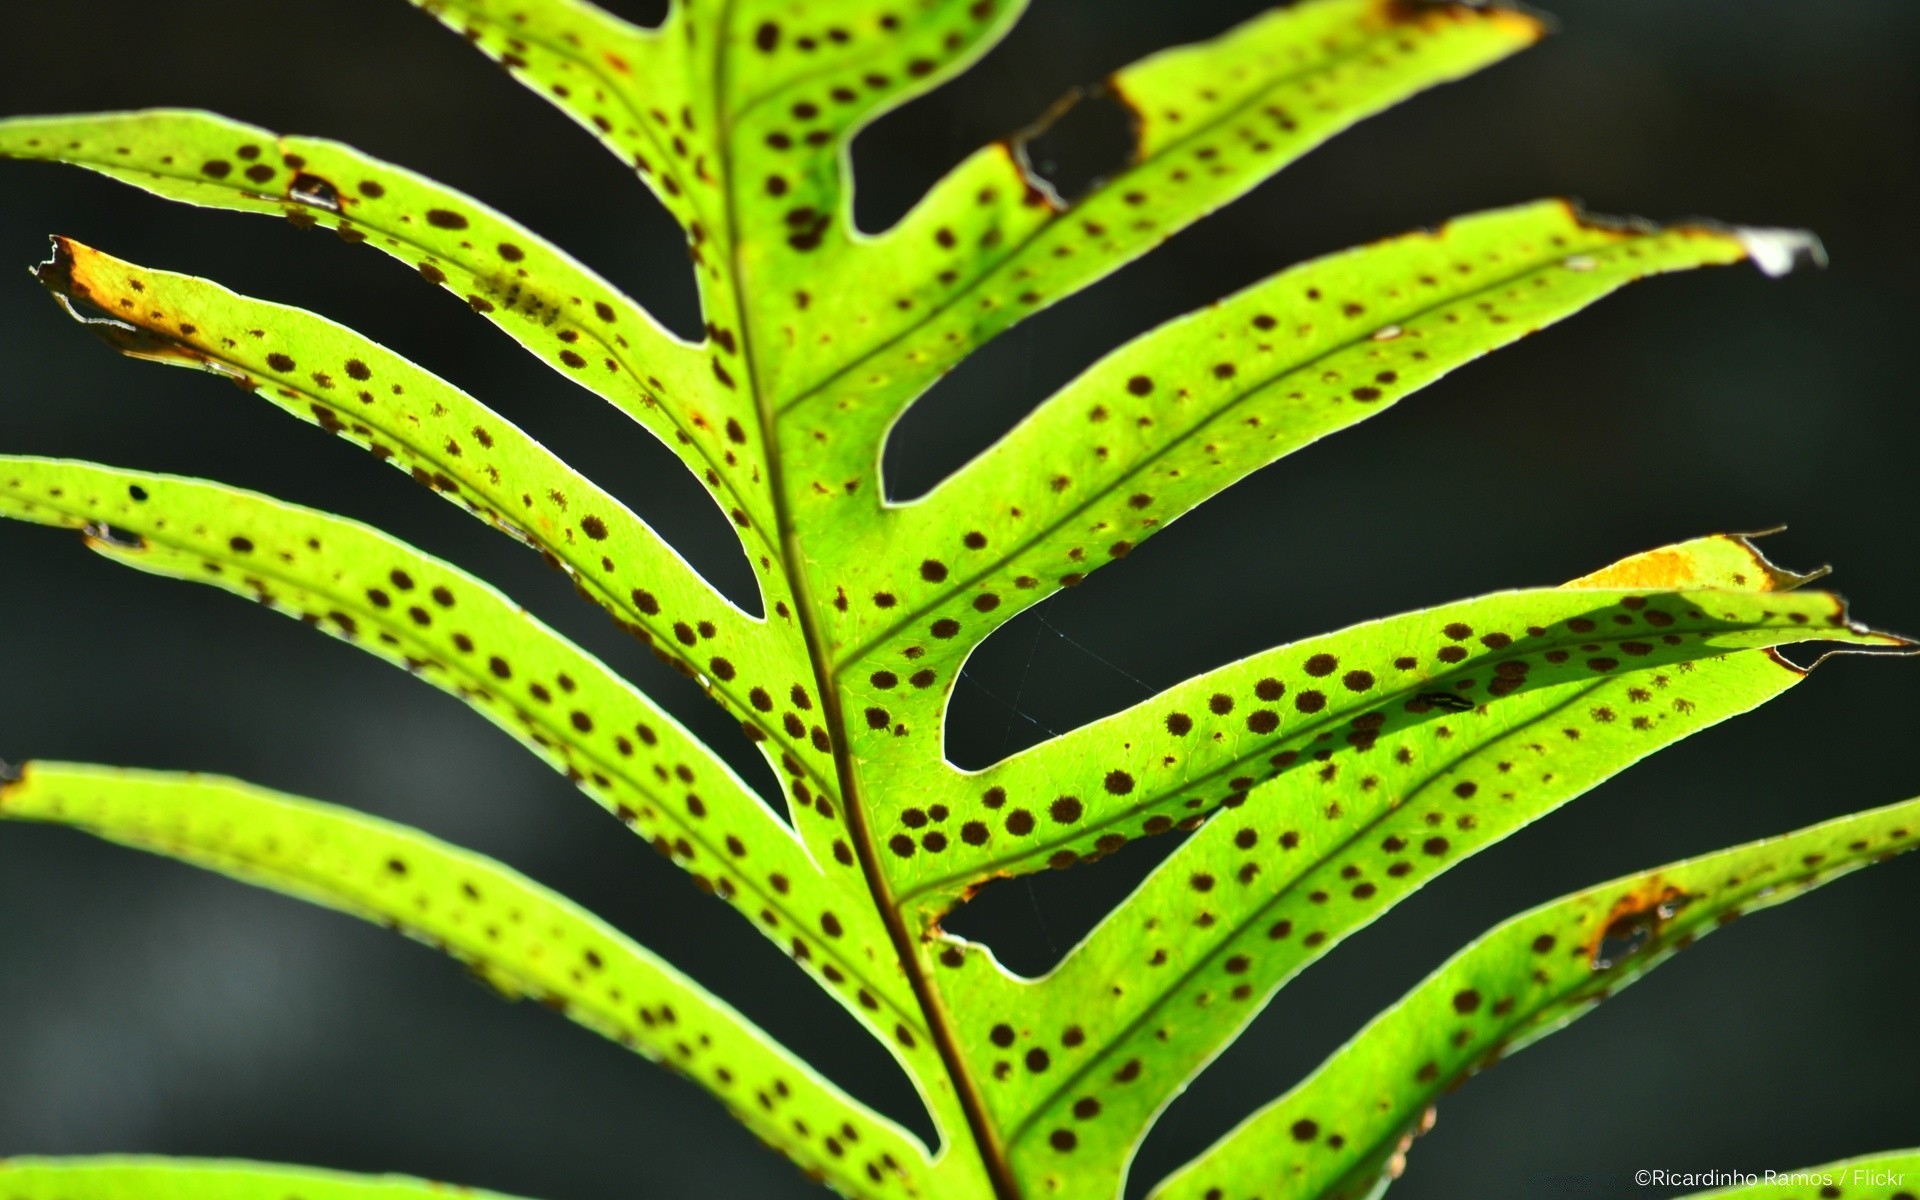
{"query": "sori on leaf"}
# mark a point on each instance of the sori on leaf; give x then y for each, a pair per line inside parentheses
(1322, 782)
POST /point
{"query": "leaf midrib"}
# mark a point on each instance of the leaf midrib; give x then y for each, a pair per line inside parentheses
(935, 1023)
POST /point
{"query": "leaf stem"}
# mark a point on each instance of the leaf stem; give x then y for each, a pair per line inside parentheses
(972, 1105)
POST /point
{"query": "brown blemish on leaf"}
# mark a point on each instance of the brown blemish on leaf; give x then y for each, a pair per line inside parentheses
(1634, 922)
(137, 332)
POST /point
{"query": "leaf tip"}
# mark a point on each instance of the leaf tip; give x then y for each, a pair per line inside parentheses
(80, 278)
(1777, 578)
(1779, 252)
(56, 273)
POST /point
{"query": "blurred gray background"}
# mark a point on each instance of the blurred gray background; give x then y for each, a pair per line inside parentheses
(149, 1007)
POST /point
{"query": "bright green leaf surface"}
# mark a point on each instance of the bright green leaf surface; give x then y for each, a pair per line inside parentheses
(988, 247)
(1170, 420)
(1519, 982)
(329, 376)
(1323, 780)
(735, 115)
(1326, 706)
(128, 1177)
(533, 291)
(516, 935)
(1894, 1175)
(1342, 814)
(465, 637)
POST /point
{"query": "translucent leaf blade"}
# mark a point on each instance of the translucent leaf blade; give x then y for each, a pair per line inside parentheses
(1175, 417)
(986, 248)
(523, 939)
(1893, 1175)
(1521, 981)
(1210, 741)
(534, 292)
(138, 1177)
(463, 636)
(328, 375)
(1351, 818)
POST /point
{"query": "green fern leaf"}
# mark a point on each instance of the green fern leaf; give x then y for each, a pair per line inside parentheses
(1349, 771)
(1175, 417)
(1321, 781)
(529, 288)
(991, 244)
(464, 637)
(129, 1177)
(519, 937)
(1894, 1175)
(1208, 742)
(329, 376)
(1330, 1136)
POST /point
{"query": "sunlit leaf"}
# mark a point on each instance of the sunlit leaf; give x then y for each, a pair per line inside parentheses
(1321, 781)
(464, 637)
(327, 375)
(536, 293)
(990, 246)
(1386, 697)
(1529, 977)
(1390, 753)
(521, 938)
(735, 115)
(1894, 1175)
(130, 1177)
(1173, 418)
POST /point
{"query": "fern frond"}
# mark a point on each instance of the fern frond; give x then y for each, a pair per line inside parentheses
(1333, 1134)
(517, 936)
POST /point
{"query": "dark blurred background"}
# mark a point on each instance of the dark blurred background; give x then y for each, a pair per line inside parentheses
(150, 1007)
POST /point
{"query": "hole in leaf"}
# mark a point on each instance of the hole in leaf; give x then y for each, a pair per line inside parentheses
(1032, 680)
(1030, 923)
(1086, 138)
